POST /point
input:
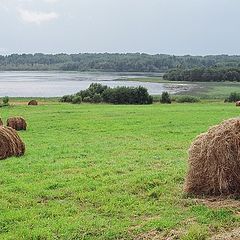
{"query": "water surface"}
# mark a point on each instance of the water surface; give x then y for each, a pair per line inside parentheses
(55, 84)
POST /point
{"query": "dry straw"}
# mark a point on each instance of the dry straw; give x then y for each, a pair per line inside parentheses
(214, 161)
(10, 143)
(17, 123)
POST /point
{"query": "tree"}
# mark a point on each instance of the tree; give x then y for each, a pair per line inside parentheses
(165, 98)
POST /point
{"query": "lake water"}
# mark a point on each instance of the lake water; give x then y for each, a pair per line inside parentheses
(55, 84)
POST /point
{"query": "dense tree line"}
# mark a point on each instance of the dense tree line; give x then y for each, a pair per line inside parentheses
(98, 93)
(215, 74)
(130, 62)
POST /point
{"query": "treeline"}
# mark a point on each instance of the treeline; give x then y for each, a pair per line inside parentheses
(97, 93)
(214, 74)
(129, 62)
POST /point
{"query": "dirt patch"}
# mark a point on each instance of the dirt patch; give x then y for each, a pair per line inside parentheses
(155, 235)
(219, 203)
(231, 235)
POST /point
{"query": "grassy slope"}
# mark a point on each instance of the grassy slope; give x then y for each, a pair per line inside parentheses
(105, 172)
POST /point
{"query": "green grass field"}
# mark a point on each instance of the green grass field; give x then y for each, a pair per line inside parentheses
(109, 172)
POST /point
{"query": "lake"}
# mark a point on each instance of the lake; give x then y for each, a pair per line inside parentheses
(55, 84)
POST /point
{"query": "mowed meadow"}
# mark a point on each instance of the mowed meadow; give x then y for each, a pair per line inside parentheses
(108, 172)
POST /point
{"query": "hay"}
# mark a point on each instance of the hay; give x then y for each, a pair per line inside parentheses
(214, 161)
(33, 103)
(1, 122)
(10, 143)
(238, 103)
(17, 123)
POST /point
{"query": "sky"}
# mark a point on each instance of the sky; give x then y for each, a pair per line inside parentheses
(179, 27)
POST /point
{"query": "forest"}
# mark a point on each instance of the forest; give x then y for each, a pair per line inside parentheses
(114, 62)
(204, 74)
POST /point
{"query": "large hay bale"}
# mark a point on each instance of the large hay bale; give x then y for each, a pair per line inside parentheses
(214, 161)
(238, 103)
(1, 122)
(17, 123)
(10, 143)
(33, 103)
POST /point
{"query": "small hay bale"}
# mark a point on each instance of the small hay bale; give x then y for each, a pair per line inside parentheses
(1, 122)
(17, 123)
(238, 103)
(10, 143)
(214, 161)
(33, 103)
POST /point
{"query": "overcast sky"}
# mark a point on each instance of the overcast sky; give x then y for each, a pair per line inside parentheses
(197, 27)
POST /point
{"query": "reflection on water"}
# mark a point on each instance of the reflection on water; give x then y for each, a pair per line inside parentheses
(54, 84)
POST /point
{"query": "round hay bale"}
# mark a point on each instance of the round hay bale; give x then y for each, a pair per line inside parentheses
(33, 103)
(238, 103)
(17, 123)
(214, 161)
(1, 122)
(10, 143)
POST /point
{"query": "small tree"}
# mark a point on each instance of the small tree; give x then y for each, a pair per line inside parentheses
(5, 101)
(165, 98)
(76, 100)
(97, 98)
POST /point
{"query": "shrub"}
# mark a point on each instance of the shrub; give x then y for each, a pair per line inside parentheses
(233, 97)
(97, 93)
(127, 95)
(150, 99)
(5, 100)
(94, 88)
(185, 99)
(76, 99)
(97, 88)
(97, 98)
(87, 100)
(165, 98)
(66, 98)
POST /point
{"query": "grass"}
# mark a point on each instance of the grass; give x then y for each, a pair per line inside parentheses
(106, 172)
(204, 90)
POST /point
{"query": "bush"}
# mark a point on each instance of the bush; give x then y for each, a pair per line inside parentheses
(97, 88)
(165, 98)
(66, 98)
(94, 88)
(97, 93)
(233, 97)
(127, 95)
(150, 100)
(76, 99)
(97, 98)
(185, 99)
(5, 100)
(87, 100)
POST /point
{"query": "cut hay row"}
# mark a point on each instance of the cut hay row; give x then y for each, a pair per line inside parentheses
(17, 123)
(214, 161)
(10, 143)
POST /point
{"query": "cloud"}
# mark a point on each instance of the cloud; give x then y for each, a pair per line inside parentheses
(51, 1)
(37, 17)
